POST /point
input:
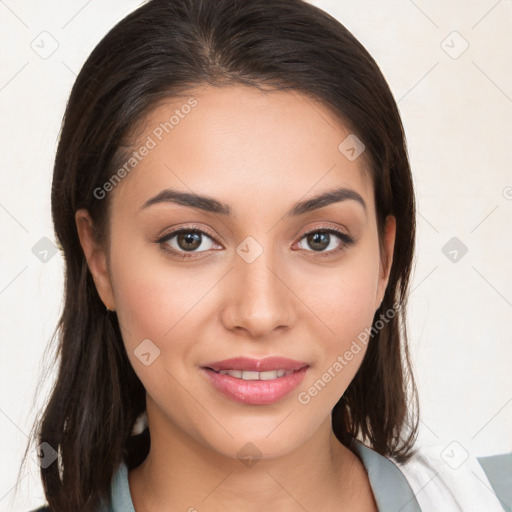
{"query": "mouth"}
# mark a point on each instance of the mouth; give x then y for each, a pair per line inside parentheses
(250, 375)
(255, 381)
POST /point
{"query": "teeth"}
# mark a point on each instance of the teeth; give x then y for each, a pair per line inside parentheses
(233, 373)
(250, 375)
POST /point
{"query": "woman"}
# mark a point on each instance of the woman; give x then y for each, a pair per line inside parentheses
(235, 206)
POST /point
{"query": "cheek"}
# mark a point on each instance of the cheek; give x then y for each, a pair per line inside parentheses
(344, 296)
(344, 300)
(152, 294)
(160, 301)
(156, 302)
(353, 305)
(151, 308)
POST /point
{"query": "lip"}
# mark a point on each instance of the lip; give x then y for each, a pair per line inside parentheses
(256, 365)
(255, 392)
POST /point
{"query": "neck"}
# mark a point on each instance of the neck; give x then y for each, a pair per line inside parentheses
(180, 473)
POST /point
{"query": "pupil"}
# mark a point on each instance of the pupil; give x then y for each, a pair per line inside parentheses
(191, 240)
(318, 241)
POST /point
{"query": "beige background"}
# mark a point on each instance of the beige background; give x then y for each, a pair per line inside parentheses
(456, 105)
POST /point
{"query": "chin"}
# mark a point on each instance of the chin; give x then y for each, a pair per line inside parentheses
(266, 440)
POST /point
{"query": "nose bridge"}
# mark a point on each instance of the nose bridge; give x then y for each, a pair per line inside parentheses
(260, 301)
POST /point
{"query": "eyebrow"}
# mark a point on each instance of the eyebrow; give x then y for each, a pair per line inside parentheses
(210, 204)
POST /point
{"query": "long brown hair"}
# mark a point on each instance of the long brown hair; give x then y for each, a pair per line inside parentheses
(160, 50)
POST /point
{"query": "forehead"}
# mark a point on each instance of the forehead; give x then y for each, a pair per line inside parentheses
(242, 145)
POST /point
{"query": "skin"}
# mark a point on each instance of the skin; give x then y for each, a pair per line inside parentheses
(259, 152)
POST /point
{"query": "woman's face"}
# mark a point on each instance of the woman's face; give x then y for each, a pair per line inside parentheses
(266, 280)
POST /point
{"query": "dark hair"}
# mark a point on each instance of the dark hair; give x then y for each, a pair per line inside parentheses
(159, 51)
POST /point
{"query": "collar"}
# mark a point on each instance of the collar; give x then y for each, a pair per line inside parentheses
(391, 489)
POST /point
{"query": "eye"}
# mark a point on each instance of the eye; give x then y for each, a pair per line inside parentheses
(185, 242)
(327, 240)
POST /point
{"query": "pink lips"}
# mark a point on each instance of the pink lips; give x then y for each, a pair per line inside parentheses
(256, 392)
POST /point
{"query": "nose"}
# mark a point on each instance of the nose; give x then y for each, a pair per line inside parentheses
(259, 298)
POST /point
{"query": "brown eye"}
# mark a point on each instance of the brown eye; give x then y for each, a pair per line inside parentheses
(318, 241)
(183, 241)
(189, 241)
(327, 241)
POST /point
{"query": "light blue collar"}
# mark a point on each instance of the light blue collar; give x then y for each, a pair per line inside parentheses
(120, 497)
(390, 487)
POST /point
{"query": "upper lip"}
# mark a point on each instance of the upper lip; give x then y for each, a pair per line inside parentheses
(256, 365)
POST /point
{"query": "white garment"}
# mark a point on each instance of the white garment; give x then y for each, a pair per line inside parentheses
(446, 478)
(141, 424)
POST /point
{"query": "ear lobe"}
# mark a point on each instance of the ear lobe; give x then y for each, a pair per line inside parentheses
(96, 257)
(387, 261)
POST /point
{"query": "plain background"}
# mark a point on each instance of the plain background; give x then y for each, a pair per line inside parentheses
(454, 92)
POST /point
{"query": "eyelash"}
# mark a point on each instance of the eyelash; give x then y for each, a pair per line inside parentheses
(162, 242)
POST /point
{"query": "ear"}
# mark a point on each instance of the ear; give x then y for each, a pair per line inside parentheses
(96, 257)
(386, 260)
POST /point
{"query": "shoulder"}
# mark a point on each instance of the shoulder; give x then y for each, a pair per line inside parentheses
(447, 474)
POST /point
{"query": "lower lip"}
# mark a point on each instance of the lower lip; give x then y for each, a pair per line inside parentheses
(255, 392)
